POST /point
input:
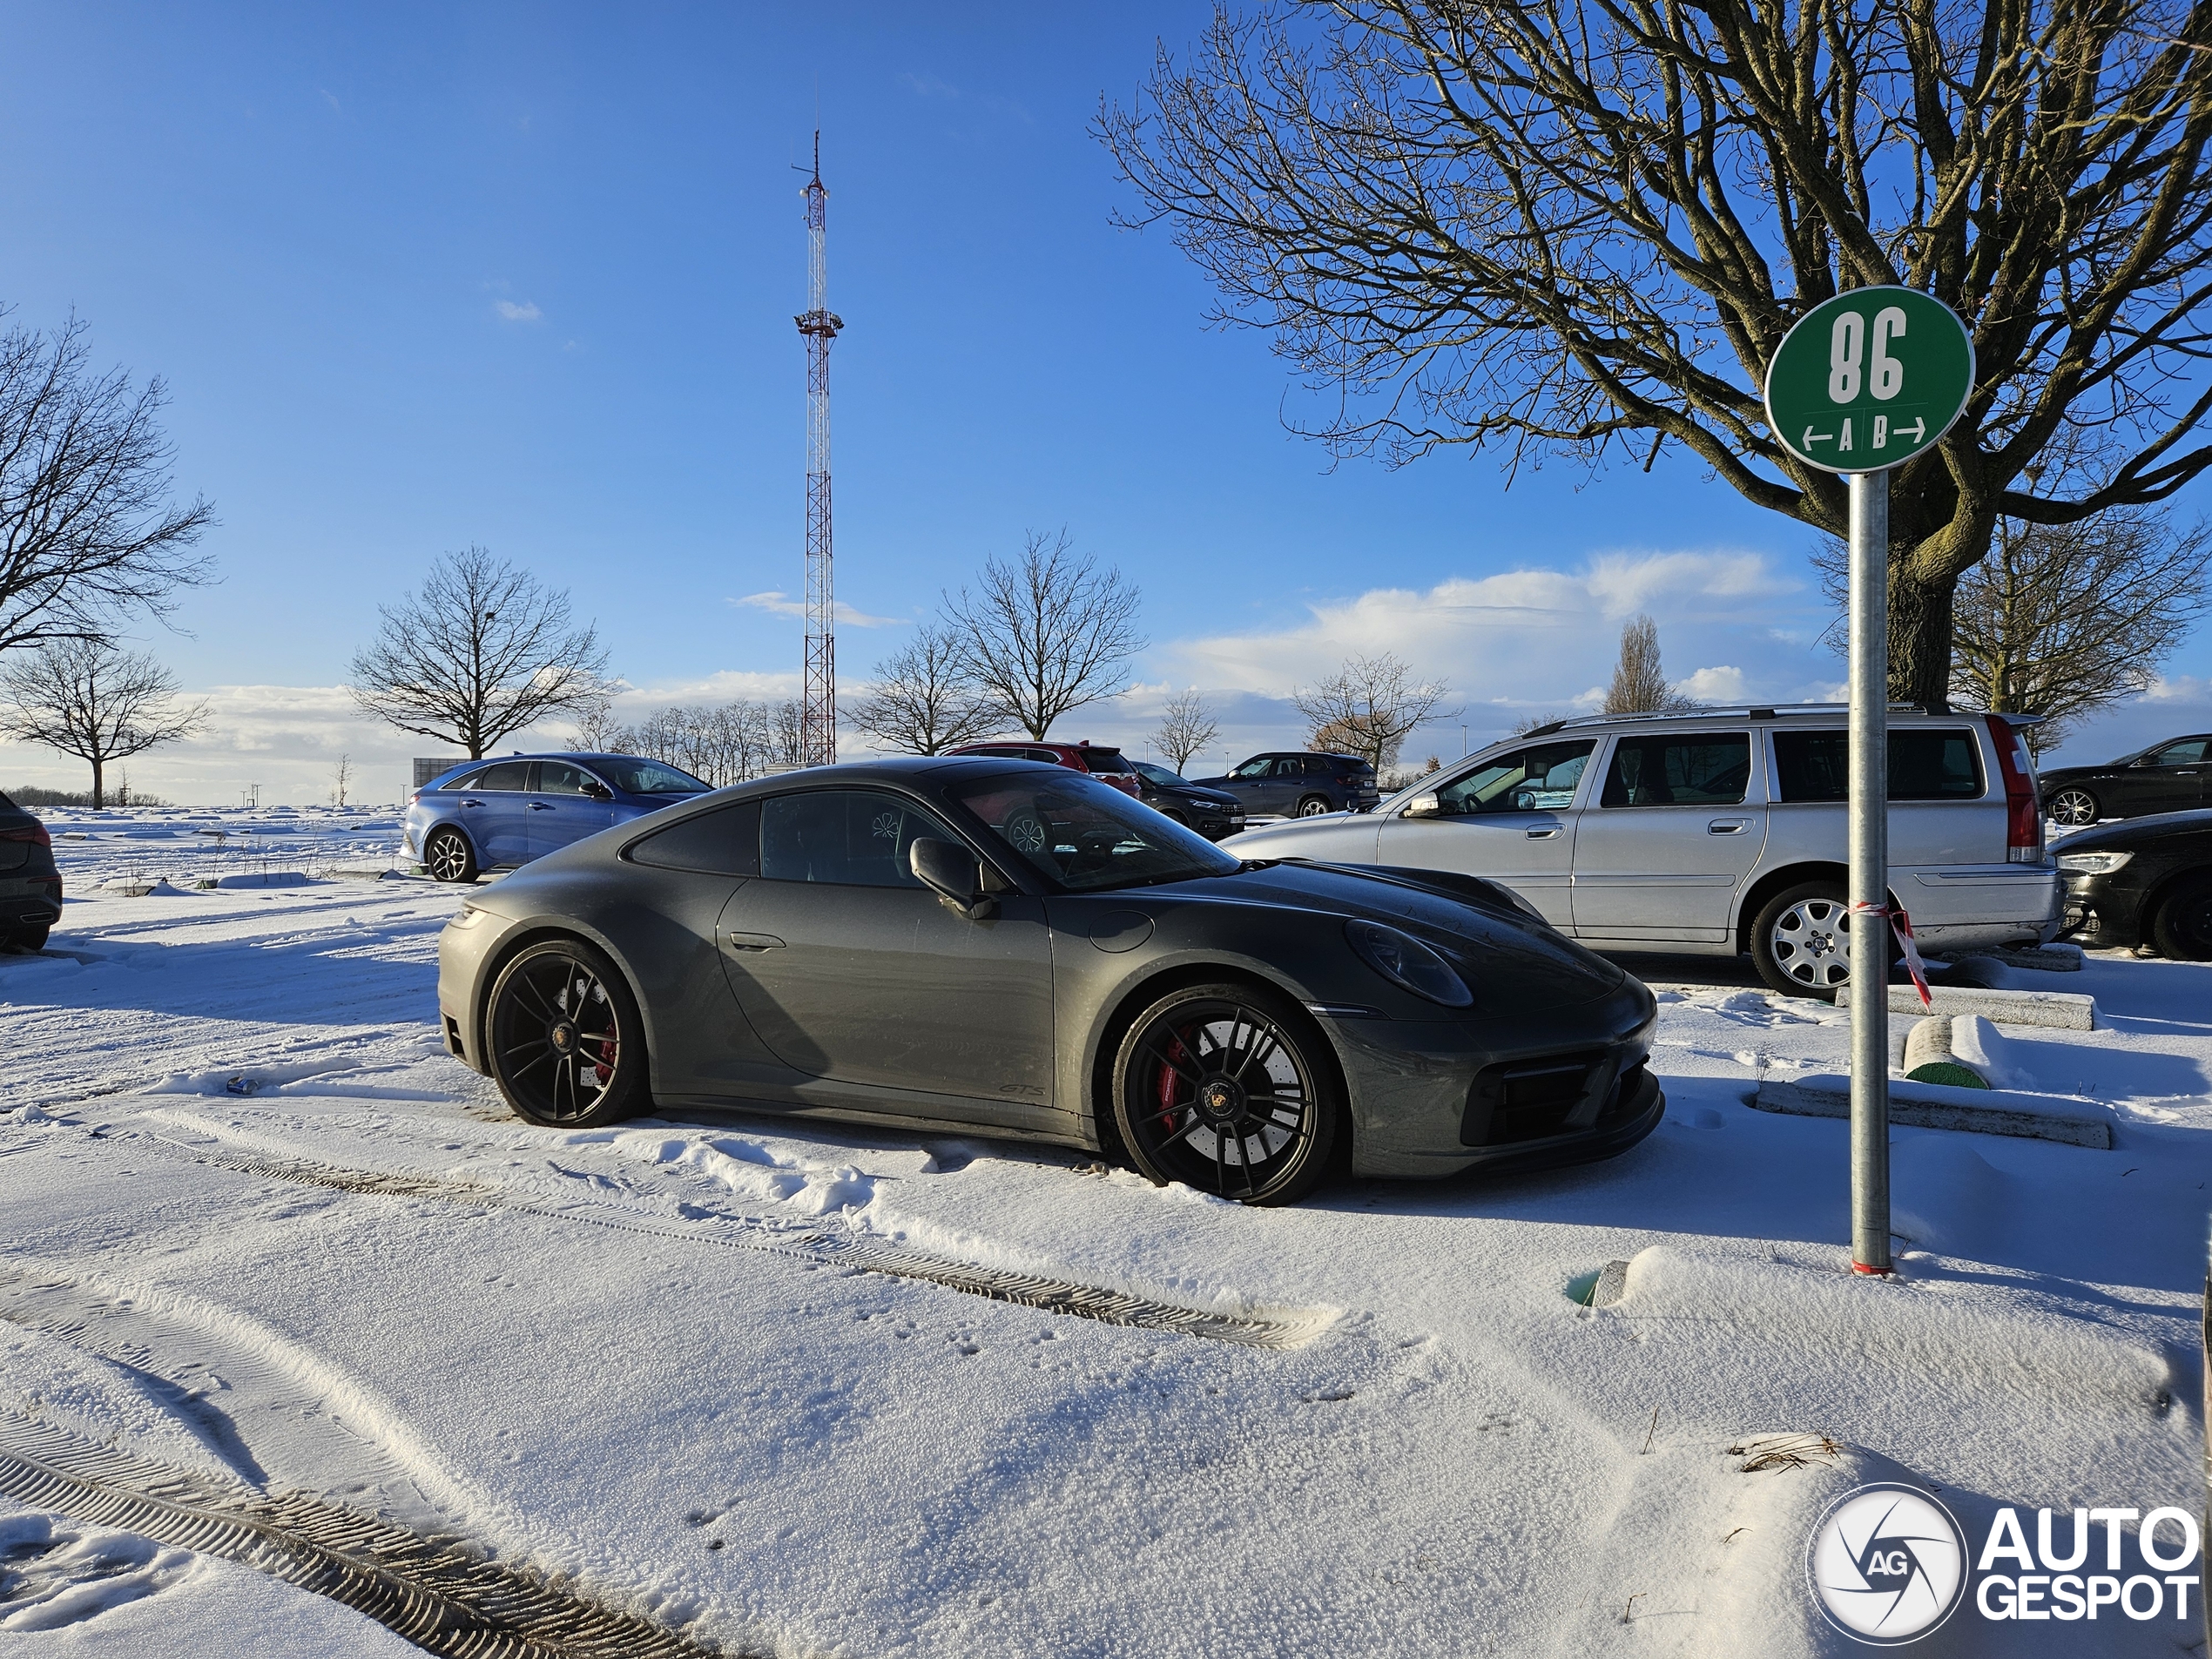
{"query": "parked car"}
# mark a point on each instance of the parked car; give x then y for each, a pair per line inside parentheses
(2145, 881)
(1721, 832)
(1212, 812)
(497, 814)
(1293, 785)
(1107, 765)
(2174, 776)
(984, 944)
(31, 882)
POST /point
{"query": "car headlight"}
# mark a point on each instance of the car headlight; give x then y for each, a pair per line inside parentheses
(1404, 961)
(2093, 863)
(466, 916)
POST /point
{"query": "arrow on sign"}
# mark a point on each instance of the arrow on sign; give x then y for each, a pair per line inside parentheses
(1920, 430)
(1812, 437)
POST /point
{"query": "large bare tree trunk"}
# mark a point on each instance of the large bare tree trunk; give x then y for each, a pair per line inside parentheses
(1920, 637)
(99, 793)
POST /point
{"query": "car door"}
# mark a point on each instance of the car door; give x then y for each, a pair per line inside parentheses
(1676, 830)
(851, 970)
(1249, 783)
(2171, 779)
(496, 813)
(565, 807)
(1511, 817)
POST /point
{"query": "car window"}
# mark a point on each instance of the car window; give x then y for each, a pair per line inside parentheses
(467, 781)
(1700, 769)
(508, 774)
(649, 778)
(1050, 757)
(726, 841)
(1159, 775)
(1944, 764)
(1087, 836)
(2188, 752)
(1538, 779)
(558, 778)
(855, 838)
(1103, 760)
(1320, 766)
(1259, 768)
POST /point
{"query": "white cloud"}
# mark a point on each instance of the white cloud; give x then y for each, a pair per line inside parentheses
(1721, 684)
(526, 312)
(777, 603)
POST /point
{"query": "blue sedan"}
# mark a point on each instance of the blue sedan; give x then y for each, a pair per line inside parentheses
(495, 814)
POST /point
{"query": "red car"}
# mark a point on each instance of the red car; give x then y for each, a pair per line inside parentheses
(1105, 764)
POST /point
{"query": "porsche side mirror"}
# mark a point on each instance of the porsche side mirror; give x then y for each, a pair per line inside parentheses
(955, 875)
(1424, 807)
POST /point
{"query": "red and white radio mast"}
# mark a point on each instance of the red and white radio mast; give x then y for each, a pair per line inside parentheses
(818, 724)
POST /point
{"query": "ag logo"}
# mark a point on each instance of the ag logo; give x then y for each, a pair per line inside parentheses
(1888, 1564)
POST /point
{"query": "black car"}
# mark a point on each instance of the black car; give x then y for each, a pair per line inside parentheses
(1293, 785)
(1213, 813)
(2149, 881)
(999, 946)
(31, 882)
(2173, 776)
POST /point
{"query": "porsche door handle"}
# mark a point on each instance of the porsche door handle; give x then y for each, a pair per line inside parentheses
(1728, 827)
(755, 941)
(1543, 834)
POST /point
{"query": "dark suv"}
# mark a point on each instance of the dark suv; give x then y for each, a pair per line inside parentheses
(1105, 764)
(1212, 812)
(1299, 786)
(31, 882)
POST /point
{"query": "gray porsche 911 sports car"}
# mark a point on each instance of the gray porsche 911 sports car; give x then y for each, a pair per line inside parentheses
(988, 945)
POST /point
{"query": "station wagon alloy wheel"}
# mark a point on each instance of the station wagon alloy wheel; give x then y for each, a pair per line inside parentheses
(562, 1043)
(448, 857)
(1811, 942)
(1217, 1087)
(2074, 807)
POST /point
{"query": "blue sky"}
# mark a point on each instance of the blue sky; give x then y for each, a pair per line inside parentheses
(525, 275)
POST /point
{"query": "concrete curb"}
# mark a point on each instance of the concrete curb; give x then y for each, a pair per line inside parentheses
(260, 878)
(2066, 1010)
(1975, 1111)
(2051, 959)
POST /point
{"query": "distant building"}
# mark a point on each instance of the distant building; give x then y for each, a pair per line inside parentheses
(426, 769)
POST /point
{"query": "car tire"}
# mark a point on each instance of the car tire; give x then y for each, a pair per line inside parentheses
(1313, 807)
(556, 1014)
(1186, 1107)
(1801, 940)
(448, 857)
(2182, 927)
(1177, 818)
(2074, 807)
(32, 939)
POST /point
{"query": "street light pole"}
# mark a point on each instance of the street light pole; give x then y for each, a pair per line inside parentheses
(1870, 871)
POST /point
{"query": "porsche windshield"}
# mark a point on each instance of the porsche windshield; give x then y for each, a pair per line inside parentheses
(1086, 836)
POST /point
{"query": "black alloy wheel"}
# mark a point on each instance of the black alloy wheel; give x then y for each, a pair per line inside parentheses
(2074, 807)
(564, 1037)
(2182, 927)
(1225, 1088)
(1313, 807)
(448, 857)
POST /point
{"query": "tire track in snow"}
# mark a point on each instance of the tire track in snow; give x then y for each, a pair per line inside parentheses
(436, 1593)
(1274, 1329)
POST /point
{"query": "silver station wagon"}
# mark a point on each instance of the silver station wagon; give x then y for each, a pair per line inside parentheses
(1722, 831)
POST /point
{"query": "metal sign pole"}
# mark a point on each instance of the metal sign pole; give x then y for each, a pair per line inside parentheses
(1870, 871)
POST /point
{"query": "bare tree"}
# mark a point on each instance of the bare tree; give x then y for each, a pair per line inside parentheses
(1581, 227)
(924, 700)
(789, 729)
(482, 653)
(87, 527)
(1368, 708)
(2062, 620)
(1639, 682)
(341, 779)
(1186, 727)
(1048, 633)
(88, 698)
(596, 725)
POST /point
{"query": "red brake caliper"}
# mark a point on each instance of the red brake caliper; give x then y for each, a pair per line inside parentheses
(1175, 1051)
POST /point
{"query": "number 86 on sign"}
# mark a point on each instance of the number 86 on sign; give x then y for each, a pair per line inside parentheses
(1870, 378)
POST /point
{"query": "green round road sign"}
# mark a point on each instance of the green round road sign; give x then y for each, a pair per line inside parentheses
(1870, 378)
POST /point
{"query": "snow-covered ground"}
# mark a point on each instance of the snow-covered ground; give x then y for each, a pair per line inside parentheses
(260, 1228)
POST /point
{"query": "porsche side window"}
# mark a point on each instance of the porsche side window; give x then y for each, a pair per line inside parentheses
(723, 842)
(1542, 779)
(1700, 768)
(853, 838)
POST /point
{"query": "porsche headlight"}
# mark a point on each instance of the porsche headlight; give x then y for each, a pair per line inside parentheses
(2093, 863)
(1404, 961)
(468, 916)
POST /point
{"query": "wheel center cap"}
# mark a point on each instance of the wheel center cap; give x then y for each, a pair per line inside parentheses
(563, 1036)
(1222, 1099)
